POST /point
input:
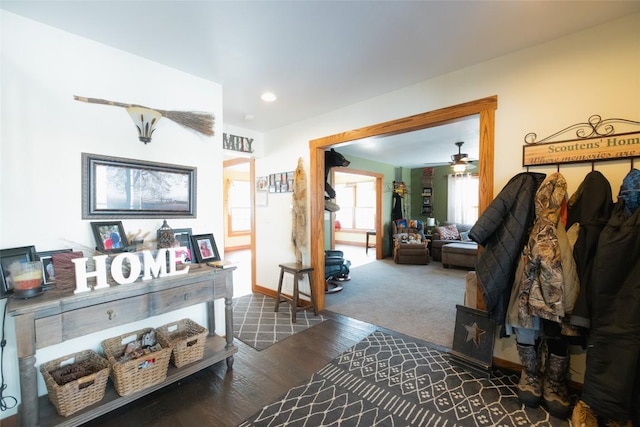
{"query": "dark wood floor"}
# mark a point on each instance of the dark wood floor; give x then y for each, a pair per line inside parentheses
(217, 397)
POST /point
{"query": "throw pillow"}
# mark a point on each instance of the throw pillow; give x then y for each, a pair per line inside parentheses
(401, 237)
(464, 236)
(448, 232)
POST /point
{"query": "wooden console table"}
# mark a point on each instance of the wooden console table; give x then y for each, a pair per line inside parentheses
(57, 316)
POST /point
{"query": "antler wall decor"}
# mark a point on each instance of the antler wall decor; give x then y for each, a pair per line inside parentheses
(196, 120)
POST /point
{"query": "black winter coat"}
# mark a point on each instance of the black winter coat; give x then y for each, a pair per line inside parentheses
(591, 207)
(503, 229)
(612, 375)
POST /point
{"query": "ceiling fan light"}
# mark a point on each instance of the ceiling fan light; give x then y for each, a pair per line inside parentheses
(458, 167)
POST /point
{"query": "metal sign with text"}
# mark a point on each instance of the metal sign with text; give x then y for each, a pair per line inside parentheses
(613, 147)
(237, 143)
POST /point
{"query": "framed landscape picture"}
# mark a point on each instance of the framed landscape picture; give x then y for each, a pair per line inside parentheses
(114, 187)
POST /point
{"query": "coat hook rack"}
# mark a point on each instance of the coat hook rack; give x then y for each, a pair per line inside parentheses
(595, 140)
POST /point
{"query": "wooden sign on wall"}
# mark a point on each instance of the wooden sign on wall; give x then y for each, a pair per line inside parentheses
(237, 143)
(613, 147)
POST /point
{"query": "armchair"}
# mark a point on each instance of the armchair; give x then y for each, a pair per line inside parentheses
(336, 270)
(410, 245)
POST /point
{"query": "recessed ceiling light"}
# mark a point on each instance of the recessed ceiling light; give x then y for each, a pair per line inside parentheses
(248, 117)
(268, 97)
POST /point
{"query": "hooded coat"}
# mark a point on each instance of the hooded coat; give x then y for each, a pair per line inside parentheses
(546, 284)
(590, 206)
(503, 229)
(612, 375)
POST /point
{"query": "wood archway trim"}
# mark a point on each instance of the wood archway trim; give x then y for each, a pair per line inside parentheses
(484, 107)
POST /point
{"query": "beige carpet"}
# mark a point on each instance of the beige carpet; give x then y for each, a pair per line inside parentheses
(416, 300)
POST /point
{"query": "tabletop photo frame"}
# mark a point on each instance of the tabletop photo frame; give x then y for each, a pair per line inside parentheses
(46, 258)
(183, 240)
(110, 236)
(205, 249)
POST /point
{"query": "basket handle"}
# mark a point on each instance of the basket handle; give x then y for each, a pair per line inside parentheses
(87, 381)
(192, 342)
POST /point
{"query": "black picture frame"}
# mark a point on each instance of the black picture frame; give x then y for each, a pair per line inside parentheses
(9, 256)
(46, 257)
(183, 238)
(204, 247)
(110, 236)
(115, 187)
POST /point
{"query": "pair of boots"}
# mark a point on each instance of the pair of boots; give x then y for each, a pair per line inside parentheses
(532, 389)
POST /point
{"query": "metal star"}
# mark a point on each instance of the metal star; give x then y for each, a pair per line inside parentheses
(473, 333)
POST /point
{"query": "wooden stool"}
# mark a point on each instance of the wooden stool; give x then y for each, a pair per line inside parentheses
(298, 271)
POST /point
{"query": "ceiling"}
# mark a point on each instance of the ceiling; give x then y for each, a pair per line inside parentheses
(319, 56)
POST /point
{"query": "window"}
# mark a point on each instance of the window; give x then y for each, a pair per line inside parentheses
(357, 203)
(239, 215)
(462, 199)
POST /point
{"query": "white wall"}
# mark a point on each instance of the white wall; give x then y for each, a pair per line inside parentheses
(542, 89)
(44, 130)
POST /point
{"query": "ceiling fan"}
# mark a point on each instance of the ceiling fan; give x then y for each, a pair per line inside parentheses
(460, 162)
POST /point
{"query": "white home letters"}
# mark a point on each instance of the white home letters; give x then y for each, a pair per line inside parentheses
(153, 267)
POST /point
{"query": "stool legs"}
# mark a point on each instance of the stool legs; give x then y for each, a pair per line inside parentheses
(279, 289)
(294, 300)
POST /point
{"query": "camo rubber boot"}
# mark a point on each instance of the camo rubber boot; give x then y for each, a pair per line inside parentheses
(529, 388)
(554, 392)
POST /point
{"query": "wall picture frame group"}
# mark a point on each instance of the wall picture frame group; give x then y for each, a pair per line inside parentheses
(281, 182)
(110, 236)
(115, 187)
(205, 249)
(8, 257)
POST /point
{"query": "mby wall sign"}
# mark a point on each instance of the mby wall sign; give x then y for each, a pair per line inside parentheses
(237, 143)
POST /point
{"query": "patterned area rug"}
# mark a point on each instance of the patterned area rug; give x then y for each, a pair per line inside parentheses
(256, 324)
(390, 381)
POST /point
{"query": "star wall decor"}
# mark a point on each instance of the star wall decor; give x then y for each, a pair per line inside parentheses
(473, 333)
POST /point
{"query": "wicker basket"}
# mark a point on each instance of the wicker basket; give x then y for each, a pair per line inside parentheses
(82, 392)
(135, 374)
(187, 339)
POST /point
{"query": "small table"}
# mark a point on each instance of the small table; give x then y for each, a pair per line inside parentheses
(369, 233)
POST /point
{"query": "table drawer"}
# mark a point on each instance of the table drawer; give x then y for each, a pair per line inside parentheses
(48, 331)
(184, 296)
(107, 315)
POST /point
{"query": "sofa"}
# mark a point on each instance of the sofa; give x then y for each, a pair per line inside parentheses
(409, 243)
(444, 234)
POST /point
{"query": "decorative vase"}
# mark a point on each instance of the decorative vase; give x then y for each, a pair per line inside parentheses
(166, 238)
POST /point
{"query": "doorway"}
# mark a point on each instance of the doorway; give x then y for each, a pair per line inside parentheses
(239, 227)
(484, 107)
(359, 197)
